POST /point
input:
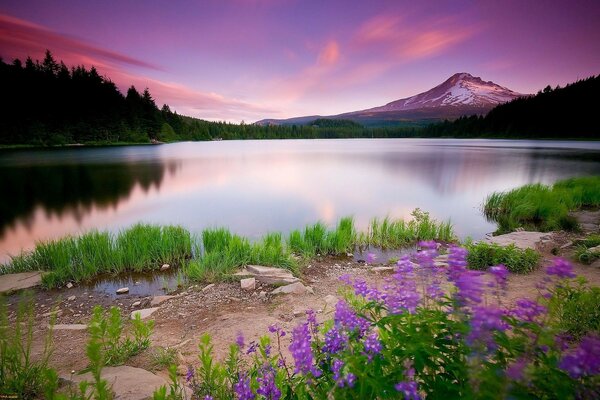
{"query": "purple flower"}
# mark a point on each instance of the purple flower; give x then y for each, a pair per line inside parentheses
(484, 322)
(434, 291)
(516, 369)
(335, 341)
(189, 375)
(208, 397)
(361, 288)
(372, 345)
(409, 389)
(346, 278)
(457, 262)
(527, 310)
(239, 340)
(500, 274)
(401, 291)
(561, 268)
(301, 350)
(277, 329)
(345, 317)
(469, 285)
(252, 348)
(266, 383)
(425, 257)
(242, 388)
(584, 360)
(339, 378)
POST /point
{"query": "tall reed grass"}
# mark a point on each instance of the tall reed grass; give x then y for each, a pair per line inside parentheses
(139, 248)
(542, 207)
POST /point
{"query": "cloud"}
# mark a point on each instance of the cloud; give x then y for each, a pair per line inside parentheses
(20, 38)
(330, 54)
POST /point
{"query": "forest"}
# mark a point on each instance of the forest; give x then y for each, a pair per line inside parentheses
(47, 103)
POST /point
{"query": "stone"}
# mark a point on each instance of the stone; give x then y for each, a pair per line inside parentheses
(208, 287)
(136, 304)
(595, 249)
(568, 244)
(22, 280)
(127, 383)
(69, 285)
(330, 301)
(262, 294)
(310, 290)
(68, 327)
(268, 275)
(522, 240)
(144, 313)
(299, 313)
(294, 288)
(165, 267)
(123, 290)
(248, 284)
(71, 298)
(381, 269)
(51, 313)
(158, 300)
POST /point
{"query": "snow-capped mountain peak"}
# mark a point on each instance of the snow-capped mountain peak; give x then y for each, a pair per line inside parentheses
(461, 89)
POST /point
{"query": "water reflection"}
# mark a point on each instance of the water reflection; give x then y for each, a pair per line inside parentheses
(259, 186)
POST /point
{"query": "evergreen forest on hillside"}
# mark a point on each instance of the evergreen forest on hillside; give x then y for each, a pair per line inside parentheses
(48, 103)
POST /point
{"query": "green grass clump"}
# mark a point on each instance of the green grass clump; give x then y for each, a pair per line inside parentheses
(542, 207)
(316, 239)
(139, 248)
(575, 310)
(388, 233)
(224, 252)
(163, 357)
(583, 253)
(484, 255)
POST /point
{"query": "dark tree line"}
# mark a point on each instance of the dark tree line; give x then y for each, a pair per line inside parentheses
(48, 103)
(569, 112)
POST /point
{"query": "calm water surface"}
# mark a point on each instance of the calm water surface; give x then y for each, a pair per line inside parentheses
(257, 186)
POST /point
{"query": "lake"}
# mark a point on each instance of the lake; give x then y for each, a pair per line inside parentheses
(253, 187)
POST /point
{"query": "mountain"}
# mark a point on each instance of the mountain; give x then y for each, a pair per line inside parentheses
(461, 94)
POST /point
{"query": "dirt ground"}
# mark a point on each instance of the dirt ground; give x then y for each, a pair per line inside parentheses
(224, 310)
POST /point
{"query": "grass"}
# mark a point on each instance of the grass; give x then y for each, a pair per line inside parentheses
(484, 255)
(583, 253)
(216, 254)
(388, 233)
(163, 357)
(542, 207)
(575, 310)
(139, 248)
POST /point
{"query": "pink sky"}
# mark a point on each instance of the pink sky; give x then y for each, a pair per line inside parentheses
(251, 59)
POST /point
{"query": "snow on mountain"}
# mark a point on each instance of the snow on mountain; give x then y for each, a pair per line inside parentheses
(460, 89)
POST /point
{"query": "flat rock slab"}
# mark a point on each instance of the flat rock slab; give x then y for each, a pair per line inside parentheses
(144, 313)
(382, 269)
(20, 281)
(294, 288)
(158, 300)
(69, 327)
(268, 275)
(127, 383)
(588, 220)
(522, 240)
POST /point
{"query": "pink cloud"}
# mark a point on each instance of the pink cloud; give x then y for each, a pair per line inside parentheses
(330, 54)
(20, 38)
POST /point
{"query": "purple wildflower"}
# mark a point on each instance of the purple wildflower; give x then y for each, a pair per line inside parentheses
(335, 341)
(239, 340)
(301, 350)
(516, 369)
(527, 310)
(484, 322)
(189, 375)
(457, 262)
(242, 388)
(361, 288)
(252, 348)
(346, 278)
(409, 389)
(434, 291)
(266, 382)
(584, 360)
(561, 268)
(277, 329)
(345, 317)
(401, 291)
(469, 285)
(339, 378)
(208, 397)
(500, 274)
(426, 256)
(372, 345)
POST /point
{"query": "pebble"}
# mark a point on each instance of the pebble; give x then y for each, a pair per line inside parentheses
(165, 267)
(69, 285)
(123, 290)
(136, 304)
(71, 298)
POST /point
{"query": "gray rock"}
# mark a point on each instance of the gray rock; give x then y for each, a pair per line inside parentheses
(382, 269)
(69, 327)
(248, 284)
(262, 294)
(144, 313)
(136, 303)
(294, 288)
(22, 280)
(165, 267)
(71, 298)
(127, 383)
(522, 240)
(595, 249)
(299, 313)
(158, 300)
(208, 287)
(123, 290)
(310, 290)
(69, 285)
(268, 275)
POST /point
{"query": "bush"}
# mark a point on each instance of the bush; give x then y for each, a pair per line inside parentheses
(484, 255)
(575, 309)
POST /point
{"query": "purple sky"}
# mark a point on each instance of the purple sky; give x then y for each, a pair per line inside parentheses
(250, 59)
